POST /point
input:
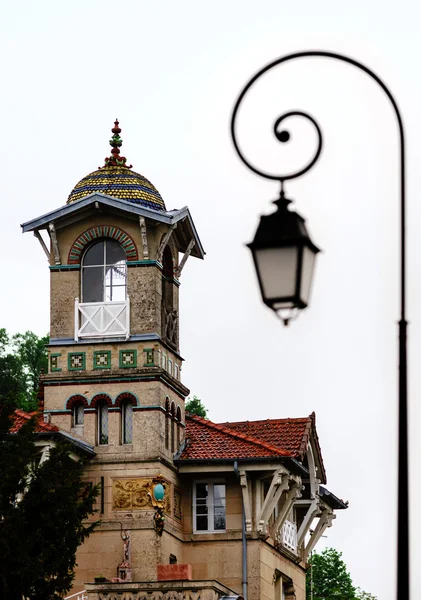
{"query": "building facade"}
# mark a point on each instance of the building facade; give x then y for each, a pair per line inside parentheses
(187, 506)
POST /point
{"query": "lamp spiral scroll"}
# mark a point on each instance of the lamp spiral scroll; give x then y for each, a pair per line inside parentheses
(282, 135)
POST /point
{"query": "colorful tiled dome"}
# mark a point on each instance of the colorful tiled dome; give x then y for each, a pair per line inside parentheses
(117, 179)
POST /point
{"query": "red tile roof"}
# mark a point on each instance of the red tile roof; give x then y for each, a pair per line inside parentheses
(251, 439)
(207, 440)
(21, 417)
(292, 435)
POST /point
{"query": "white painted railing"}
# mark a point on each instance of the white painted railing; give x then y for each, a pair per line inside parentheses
(102, 319)
(288, 536)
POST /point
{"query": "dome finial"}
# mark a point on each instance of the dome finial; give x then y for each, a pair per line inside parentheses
(115, 142)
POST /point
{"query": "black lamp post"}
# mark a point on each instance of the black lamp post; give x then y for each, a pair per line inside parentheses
(284, 257)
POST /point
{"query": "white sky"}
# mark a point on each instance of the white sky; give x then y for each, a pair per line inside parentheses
(171, 71)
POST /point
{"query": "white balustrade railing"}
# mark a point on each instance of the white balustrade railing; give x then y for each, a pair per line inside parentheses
(102, 319)
(78, 596)
(288, 536)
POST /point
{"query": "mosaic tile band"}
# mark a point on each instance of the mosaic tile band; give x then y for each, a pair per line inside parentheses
(101, 231)
(119, 182)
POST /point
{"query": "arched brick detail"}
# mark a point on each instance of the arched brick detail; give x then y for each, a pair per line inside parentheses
(98, 232)
(178, 414)
(125, 397)
(167, 404)
(172, 409)
(101, 397)
(76, 399)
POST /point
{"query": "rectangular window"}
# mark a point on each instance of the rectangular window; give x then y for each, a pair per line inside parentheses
(170, 366)
(209, 507)
(176, 371)
(164, 361)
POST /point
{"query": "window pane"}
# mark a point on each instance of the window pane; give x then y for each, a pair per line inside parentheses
(103, 424)
(92, 284)
(201, 523)
(94, 255)
(79, 414)
(201, 490)
(115, 293)
(219, 519)
(219, 494)
(114, 253)
(127, 423)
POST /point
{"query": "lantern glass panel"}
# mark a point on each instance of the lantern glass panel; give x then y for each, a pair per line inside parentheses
(277, 269)
(307, 273)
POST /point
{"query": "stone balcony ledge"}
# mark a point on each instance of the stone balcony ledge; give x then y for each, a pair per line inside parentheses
(158, 590)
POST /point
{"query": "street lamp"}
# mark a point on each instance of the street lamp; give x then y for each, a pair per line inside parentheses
(284, 257)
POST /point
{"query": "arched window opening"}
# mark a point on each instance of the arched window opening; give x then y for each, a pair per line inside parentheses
(102, 418)
(104, 272)
(127, 422)
(172, 426)
(178, 416)
(167, 424)
(78, 414)
(169, 313)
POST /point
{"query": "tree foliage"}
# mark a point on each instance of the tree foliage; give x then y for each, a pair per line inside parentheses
(196, 407)
(329, 579)
(43, 512)
(22, 358)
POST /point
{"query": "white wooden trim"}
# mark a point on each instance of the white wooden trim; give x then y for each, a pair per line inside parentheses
(187, 253)
(165, 241)
(56, 252)
(145, 248)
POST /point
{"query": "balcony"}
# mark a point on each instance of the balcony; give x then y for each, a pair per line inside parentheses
(102, 319)
(287, 536)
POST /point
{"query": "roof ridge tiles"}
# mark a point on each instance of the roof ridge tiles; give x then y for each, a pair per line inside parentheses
(237, 435)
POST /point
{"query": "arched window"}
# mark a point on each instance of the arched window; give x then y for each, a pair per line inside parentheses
(102, 420)
(167, 424)
(178, 416)
(127, 422)
(104, 272)
(78, 414)
(172, 426)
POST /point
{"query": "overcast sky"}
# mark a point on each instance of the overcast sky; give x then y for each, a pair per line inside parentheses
(171, 71)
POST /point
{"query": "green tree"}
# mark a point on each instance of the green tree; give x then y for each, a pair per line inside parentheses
(329, 579)
(43, 512)
(22, 358)
(31, 350)
(196, 407)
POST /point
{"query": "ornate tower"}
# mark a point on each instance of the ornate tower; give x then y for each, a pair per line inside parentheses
(114, 378)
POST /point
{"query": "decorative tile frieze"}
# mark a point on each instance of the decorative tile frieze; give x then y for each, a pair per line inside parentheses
(55, 362)
(76, 361)
(127, 359)
(149, 357)
(102, 359)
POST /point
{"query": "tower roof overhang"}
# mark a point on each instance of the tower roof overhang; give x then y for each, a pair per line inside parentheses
(80, 209)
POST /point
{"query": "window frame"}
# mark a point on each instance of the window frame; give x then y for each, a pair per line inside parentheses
(210, 504)
(104, 266)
